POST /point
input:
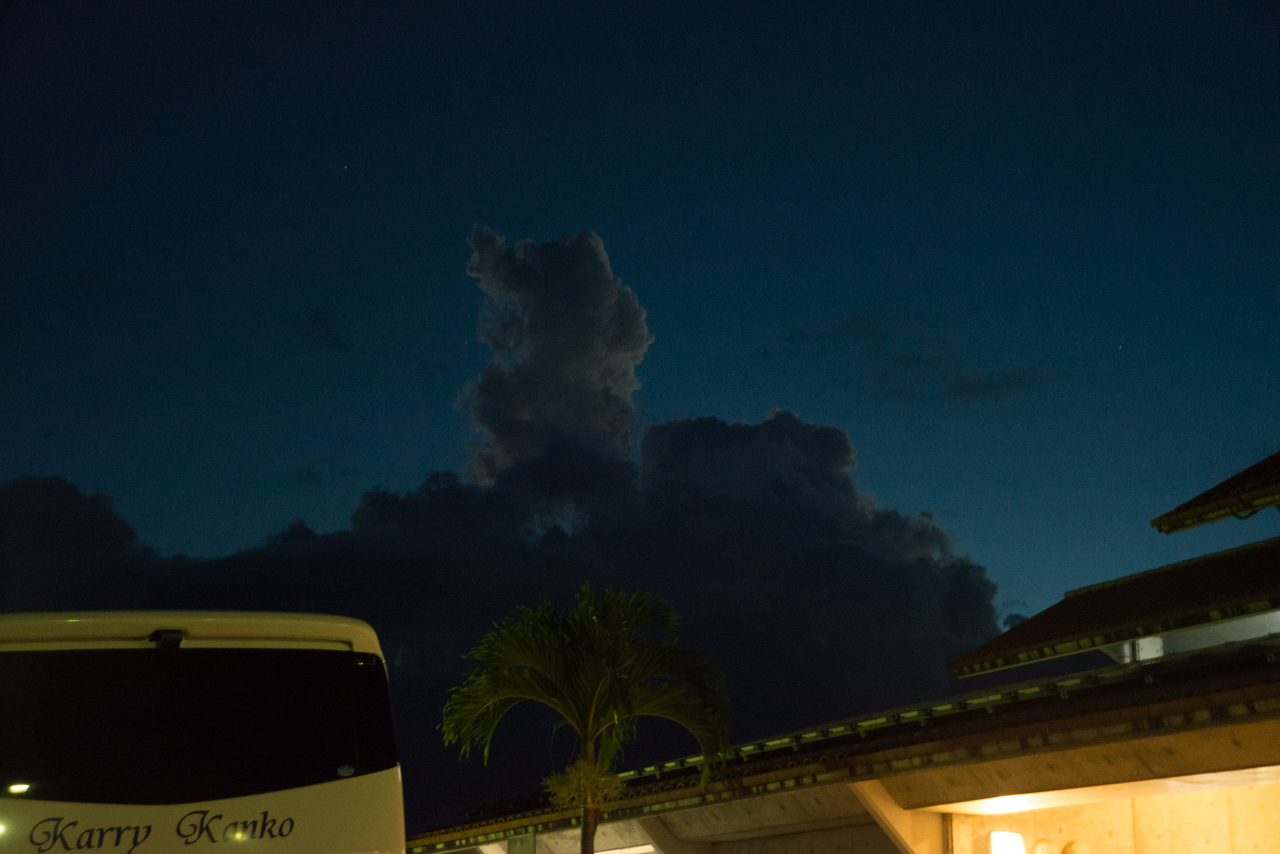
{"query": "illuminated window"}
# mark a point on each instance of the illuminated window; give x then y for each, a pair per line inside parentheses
(1004, 842)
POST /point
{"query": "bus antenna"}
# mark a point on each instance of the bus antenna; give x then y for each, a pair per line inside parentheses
(166, 638)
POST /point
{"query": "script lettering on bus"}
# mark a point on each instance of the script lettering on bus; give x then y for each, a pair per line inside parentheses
(57, 834)
(199, 824)
(51, 832)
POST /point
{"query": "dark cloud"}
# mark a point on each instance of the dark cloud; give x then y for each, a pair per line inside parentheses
(298, 534)
(1011, 620)
(817, 603)
(867, 327)
(967, 388)
(765, 520)
(900, 359)
(306, 474)
(54, 539)
(554, 405)
(320, 329)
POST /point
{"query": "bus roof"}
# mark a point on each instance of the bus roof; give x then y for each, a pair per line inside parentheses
(203, 628)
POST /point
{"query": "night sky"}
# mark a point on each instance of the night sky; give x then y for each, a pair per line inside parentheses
(501, 298)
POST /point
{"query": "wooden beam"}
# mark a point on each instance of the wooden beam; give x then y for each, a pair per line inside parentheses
(911, 831)
(667, 842)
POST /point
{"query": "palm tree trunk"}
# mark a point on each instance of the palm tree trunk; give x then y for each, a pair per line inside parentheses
(590, 818)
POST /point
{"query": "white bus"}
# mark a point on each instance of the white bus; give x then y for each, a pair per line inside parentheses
(153, 732)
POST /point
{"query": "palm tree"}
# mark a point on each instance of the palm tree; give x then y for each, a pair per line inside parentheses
(603, 663)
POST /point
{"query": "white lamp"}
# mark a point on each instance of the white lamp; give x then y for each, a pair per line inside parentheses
(1005, 842)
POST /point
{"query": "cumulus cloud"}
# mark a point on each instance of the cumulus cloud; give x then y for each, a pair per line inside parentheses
(765, 520)
(554, 405)
(817, 603)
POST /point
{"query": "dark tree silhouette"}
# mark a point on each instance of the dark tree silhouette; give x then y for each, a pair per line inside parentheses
(595, 667)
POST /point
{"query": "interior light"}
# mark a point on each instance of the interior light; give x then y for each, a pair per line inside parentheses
(1005, 842)
(1, 829)
(19, 788)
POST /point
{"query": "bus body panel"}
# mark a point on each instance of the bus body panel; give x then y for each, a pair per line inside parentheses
(360, 815)
(135, 811)
(199, 628)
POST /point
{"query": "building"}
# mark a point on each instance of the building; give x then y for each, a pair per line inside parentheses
(1172, 746)
(1239, 496)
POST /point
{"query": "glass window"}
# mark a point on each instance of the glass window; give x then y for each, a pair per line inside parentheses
(164, 726)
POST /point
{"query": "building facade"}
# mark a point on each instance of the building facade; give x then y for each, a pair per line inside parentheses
(1172, 746)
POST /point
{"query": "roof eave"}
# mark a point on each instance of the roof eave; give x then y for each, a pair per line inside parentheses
(1239, 507)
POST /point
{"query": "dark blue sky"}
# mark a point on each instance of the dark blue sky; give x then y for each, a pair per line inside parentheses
(1026, 255)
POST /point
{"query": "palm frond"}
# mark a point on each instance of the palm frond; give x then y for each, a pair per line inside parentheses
(475, 708)
(687, 710)
(606, 660)
(670, 662)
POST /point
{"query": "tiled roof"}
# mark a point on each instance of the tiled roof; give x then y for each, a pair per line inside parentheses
(1240, 495)
(1195, 592)
(907, 738)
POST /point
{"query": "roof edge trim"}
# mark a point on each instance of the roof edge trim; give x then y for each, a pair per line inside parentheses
(1249, 503)
(1116, 582)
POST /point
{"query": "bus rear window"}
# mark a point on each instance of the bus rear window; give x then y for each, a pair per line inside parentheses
(159, 726)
